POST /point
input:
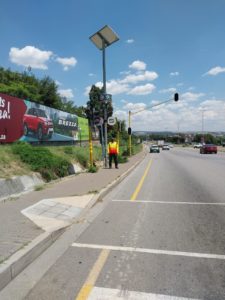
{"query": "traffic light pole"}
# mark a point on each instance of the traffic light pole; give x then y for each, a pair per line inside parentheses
(90, 144)
(176, 98)
(129, 136)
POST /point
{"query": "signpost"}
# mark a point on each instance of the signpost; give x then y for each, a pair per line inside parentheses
(98, 121)
(111, 121)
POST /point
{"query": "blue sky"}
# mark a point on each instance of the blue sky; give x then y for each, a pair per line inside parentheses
(165, 46)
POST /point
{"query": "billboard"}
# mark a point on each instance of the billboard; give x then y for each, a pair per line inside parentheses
(33, 122)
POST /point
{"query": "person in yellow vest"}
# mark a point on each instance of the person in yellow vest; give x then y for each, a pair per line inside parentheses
(113, 151)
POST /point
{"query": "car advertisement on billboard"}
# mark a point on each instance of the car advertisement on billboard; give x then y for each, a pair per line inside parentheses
(33, 122)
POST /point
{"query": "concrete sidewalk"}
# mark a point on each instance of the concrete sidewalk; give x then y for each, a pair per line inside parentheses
(33, 221)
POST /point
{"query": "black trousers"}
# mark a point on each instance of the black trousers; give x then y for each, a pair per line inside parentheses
(115, 158)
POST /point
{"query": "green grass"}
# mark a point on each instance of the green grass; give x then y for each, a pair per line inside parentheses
(51, 162)
(41, 160)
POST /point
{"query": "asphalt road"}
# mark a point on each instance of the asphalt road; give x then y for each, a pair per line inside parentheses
(158, 235)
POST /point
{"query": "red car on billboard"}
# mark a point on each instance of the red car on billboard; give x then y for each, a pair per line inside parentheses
(35, 120)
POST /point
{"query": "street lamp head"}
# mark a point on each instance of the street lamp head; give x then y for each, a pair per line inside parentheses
(104, 37)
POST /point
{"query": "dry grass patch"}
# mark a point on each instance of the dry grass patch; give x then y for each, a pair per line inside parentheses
(11, 165)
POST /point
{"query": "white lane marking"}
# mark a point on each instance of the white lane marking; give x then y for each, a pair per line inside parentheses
(116, 294)
(170, 202)
(150, 251)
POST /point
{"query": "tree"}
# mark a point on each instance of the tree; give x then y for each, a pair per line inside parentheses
(48, 93)
(95, 107)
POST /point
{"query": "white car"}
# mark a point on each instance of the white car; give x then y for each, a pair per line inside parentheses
(197, 146)
(165, 147)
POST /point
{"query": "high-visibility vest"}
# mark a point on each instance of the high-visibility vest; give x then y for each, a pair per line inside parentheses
(113, 148)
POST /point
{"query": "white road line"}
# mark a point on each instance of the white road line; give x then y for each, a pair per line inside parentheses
(169, 202)
(150, 251)
(116, 294)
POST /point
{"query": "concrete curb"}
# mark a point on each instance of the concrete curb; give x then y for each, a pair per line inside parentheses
(22, 258)
(18, 185)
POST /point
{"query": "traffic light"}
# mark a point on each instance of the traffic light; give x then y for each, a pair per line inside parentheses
(129, 130)
(176, 97)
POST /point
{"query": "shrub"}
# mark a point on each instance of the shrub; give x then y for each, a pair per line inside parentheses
(122, 159)
(42, 160)
(82, 158)
(92, 169)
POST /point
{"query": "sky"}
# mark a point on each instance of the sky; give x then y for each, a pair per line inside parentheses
(164, 47)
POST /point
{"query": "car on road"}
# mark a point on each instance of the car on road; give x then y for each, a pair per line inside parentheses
(36, 121)
(197, 146)
(166, 147)
(208, 148)
(154, 149)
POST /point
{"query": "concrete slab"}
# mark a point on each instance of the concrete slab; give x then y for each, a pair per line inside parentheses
(53, 214)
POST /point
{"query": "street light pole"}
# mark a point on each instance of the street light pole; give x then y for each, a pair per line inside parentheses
(102, 39)
(105, 104)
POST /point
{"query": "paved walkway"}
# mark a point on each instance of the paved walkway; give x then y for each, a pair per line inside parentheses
(34, 218)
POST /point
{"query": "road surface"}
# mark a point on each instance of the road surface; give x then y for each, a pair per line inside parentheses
(160, 234)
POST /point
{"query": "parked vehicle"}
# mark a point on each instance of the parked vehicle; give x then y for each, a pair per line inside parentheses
(36, 120)
(154, 149)
(166, 147)
(208, 148)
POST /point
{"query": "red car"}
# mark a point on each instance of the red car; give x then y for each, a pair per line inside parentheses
(36, 120)
(208, 148)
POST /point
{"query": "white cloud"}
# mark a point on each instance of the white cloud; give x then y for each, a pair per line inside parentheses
(121, 115)
(191, 96)
(142, 89)
(215, 105)
(134, 106)
(67, 62)
(114, 87)
(145, 76)
(138, 65)
(126, 85)
(169, 90)
(215, 71)
(172, 116)
(130, 41)
(58, 83)
(174, 73)
(91, 74)
(30, 56)
(125, 72)
(68, 93)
